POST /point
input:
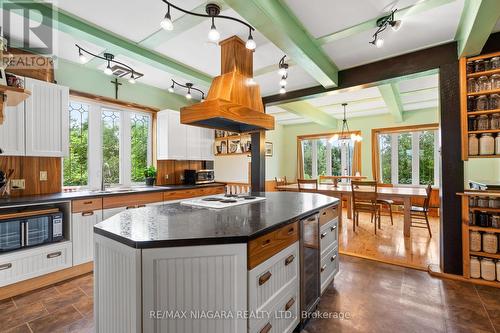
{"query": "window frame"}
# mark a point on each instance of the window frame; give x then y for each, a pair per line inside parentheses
(414, 130)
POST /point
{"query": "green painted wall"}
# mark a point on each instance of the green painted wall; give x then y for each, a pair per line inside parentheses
(82, 78)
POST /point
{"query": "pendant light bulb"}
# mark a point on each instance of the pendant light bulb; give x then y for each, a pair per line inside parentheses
(250, 44)
(132, 79)
(170, 89)
(167, 23)
(379, 42)
(396, 25)
(282, 90)
(82, 57)
(334, 138)
(108, 70)
(188, 95)
(283, 81)
(282, 71)
(213, 34)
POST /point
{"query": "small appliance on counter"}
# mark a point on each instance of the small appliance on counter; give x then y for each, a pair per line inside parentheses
(22, 229)
(484, 185)
(197, 177)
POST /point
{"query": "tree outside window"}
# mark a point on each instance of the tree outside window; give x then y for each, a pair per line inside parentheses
(75, 166)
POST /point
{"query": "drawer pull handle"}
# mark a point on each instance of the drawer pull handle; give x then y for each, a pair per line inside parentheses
(264, 278)
(311, 218)
(324, 213)
(291, 231)
(289, 304)
(87, 202)
(266, 328)
(5, 266)
(323, 235)
(333, 257)
(323, 268)
(140, 206)
(88, 213)
(54, 255)
(333, 228)
(266, 242)
(289, 260)
(130, 207)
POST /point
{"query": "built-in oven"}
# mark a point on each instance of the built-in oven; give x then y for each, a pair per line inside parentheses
(309, 266)
(32, 230)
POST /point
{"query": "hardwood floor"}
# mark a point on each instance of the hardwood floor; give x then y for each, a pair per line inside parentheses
(389, 245)
(373, 297)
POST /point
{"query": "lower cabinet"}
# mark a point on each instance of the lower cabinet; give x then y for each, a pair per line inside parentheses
(30, 263)
(83, 235)
(329, 264)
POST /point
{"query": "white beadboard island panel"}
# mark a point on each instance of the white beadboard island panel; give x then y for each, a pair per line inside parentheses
(117, 287)
(197, 278)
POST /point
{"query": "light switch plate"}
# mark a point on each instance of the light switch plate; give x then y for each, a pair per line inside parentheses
(17, 184)
(43, 175)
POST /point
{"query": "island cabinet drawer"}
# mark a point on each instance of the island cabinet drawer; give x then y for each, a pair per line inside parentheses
(26, 264)
(268, 281)
(328, 214)
(131, 200)
(266, 246)
(328, 268)
(281, 316)
(86, 205)
(192, 193)
(328, 236)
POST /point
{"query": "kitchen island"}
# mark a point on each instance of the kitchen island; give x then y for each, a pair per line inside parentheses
(182, 268)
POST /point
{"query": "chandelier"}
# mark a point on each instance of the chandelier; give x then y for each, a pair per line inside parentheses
(346, 136)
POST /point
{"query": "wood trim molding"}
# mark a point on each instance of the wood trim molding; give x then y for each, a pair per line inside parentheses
(112, 101)
(323, 135)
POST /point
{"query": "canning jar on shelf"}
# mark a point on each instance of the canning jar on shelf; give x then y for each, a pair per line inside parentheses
(495, 81)
(494, 202)
(494, 102)
(495, 121)
(483, 202)
(490, 242)
(483, 122)
(471, 103)
(470, 67)
(475, 241)
(486, 144)
(497, 144)
(488, 269)
(484, 83)
(495, 63)
(479, 66)
(495, 221)
(475, 268)
(482, 103)
(472, 85)
(473, 145)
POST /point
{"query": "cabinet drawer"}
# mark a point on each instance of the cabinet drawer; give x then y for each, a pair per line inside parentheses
(328, 268)
(328, 214)
(131, 200)
(328, 236)
(270, 279)
(266, 246)
(192, 193)
(27, 264)
(86, 205)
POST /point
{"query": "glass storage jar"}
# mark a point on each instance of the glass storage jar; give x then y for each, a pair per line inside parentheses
(473, 145)
(498, 270)
(470, 67)
(495, 63)
(472, 85)
(494, 102)
(475, 268)
(494, 202)
(475, 241)
(490, 242)
(487, 65)
(495, 81)
(483, 122)
(486, 144)
(495, 121)
(471, 103)
(482, 103)
(488, 269)
(497, 145)
(472, 124)
(479, 66)
(495, 221)
(483, 83)
(483, 202)
(472, 199)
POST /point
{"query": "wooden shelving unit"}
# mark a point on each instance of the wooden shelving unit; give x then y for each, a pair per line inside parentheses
(465, 114)
(240, 137)
(12, 96)
(467, 228)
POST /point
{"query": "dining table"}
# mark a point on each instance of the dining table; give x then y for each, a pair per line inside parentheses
(344, 192)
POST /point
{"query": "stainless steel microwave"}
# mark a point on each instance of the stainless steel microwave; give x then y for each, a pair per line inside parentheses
(193, 177)
(17, 233)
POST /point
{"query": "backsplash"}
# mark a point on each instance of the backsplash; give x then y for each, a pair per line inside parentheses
(28, 168)
(171, 172)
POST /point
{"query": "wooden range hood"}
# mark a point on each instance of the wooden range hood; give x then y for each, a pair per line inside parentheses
(232, 104)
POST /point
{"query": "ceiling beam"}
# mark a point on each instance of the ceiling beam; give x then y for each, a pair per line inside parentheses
(78, 28)
(278, 24)
(417, 8)
(311, 113)
(391, 98)
(182, 24)
(476, 24)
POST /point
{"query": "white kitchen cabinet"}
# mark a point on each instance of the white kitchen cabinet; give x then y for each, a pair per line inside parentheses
(12, 131)
(46, 119)
(182, 142)
(83, 235)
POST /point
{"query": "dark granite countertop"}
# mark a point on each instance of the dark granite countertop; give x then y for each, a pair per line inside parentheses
(66, 196)
(183, 225)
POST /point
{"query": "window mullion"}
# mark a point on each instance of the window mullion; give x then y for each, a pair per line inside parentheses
(95, 145)
(394, 159)
(125, 149)
(328, 158)
(415, 158)
(314, 154)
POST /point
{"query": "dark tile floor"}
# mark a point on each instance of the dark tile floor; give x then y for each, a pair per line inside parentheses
(372, 297)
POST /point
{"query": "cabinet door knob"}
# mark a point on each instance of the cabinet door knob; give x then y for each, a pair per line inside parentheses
(289, 304)
(323, 235)
(289, 260)
(322, 269)
(54, 254)
(266, 328)
(264, 278)
(333, 257)
(90, 213)
(5, 266)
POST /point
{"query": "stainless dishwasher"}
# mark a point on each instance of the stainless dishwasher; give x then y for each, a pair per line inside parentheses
(309, 266)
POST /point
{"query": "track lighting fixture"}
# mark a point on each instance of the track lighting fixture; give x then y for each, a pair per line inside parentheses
(124, 69)
(212, 11)
(189, 86)
(382, 24)
(283, 71)
(282, 90)
(283, 81)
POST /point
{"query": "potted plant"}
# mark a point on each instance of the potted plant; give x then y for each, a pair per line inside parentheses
(150, 174)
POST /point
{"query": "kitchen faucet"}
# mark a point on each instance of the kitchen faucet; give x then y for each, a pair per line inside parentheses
(105, 171)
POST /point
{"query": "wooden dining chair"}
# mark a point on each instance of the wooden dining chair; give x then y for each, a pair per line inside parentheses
(420, 214)
(307, 181)
(280, 182)
(364, 200)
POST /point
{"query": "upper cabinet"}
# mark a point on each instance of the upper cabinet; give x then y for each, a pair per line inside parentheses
(39, 126)
(47, 119)
(182, 142)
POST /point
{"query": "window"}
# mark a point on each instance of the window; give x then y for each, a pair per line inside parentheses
(104, 142)
(322, 156)
(407, 156)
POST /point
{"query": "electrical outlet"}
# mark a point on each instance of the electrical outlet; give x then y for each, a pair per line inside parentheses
(43, 175)
(17, 184)
(166, 177)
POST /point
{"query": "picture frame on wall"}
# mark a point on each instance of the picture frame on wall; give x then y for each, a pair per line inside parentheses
(269, 149)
